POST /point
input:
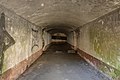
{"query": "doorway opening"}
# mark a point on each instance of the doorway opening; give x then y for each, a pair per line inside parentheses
(59, 37)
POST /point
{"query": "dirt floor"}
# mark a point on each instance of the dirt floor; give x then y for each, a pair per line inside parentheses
(57, 64)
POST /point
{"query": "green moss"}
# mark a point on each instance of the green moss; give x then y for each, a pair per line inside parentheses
(105, 44)
(111, 72)
(117, 73)
(4, 68)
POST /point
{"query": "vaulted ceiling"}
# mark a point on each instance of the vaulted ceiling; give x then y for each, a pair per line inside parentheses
(72, 13)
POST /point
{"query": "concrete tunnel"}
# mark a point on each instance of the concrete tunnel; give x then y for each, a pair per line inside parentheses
(31, 31)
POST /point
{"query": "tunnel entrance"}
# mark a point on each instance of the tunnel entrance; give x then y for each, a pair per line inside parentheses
(59, 37)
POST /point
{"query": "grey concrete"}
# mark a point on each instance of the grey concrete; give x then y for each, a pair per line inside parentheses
(57, 64)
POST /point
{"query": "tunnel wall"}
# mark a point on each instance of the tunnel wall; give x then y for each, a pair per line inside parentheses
(99, 41)
(27, 43)
(70, 38)
(47, 40)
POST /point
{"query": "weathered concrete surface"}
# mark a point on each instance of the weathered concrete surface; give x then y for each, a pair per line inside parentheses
(26, 36)
(101, 39)
(6, 40)
(57, 64)
(14, 72)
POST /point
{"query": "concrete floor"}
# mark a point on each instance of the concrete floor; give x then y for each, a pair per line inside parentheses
(57, 64)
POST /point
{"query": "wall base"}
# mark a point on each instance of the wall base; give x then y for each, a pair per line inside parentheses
(17, 70)
(98, 64)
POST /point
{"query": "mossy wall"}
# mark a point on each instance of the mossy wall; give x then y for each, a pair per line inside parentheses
(101, 39)
(27, 37)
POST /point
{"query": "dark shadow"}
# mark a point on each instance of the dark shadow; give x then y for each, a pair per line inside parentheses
(59, 46)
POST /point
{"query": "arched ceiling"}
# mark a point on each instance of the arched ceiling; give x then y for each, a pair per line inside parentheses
(74, 13)
(59, 28)
(53, 31)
